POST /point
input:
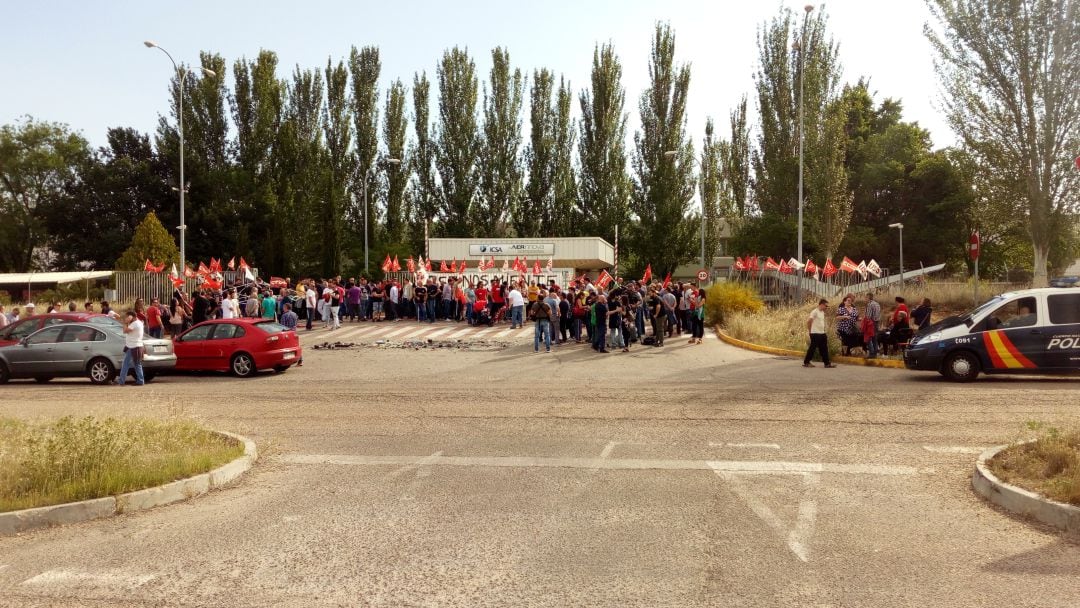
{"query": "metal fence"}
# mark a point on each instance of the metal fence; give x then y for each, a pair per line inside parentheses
(132, 284)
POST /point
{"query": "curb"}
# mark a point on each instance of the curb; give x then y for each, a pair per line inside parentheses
(1023, 502)
(16, 522)
(890, 363)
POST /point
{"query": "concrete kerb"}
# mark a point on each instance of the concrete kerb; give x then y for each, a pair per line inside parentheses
(891, 363)
(1023, 502)
(16, 522)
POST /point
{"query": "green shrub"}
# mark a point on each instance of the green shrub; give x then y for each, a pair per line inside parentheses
(727, 298)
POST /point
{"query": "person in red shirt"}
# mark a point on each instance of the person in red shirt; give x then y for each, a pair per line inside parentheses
(901, 312)
(154, 325)
(496, 299)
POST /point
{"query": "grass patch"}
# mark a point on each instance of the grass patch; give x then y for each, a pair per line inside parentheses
(77, 459)
(784, 326)
(1049, 466)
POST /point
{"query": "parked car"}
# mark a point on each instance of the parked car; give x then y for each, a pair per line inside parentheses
(1034, 331)
(240, 346)
(1073, 281)
(24, 327)
(78, 349)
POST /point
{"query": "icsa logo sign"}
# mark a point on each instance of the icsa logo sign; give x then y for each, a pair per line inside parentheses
(490, 249)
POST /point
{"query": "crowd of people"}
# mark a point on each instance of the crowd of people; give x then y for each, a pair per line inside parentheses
(865, 330)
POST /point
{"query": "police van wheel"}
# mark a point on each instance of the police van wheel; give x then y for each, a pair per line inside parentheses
(961, 367)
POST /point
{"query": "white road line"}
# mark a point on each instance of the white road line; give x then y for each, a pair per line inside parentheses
(608, 449)
(733, 466)
(83, 579)
(421, 466)
(459, 333)
(954, 449)
(4, 566)
(504, 333)
(398, 331)
(798, 537)
(415, 333)
(763, 446)
(438, 332)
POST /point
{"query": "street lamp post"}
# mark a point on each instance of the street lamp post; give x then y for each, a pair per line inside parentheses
(801, 49)
(182, 75)
(367, 177)
(900, 227)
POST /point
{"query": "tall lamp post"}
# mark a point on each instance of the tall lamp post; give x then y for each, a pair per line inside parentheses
(900, 227)
(182, 75)
(367, 177)
(801, 48)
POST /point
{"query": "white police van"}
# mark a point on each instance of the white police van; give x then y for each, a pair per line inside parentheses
(1035, 331)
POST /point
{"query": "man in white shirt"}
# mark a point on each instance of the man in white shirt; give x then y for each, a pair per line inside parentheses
(517, 307)
(395, 298)
(819, 340)
(228, 305)
(133, 349)
(3, 317)
(310, 299)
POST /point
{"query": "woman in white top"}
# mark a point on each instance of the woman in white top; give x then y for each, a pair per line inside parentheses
(133, 349)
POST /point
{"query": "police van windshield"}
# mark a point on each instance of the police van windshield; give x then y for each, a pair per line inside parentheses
(990, 304)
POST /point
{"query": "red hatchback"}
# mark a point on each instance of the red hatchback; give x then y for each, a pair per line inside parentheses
(241, 346)
(24, 327)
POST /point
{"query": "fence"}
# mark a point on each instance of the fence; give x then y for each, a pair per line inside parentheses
(134, 284)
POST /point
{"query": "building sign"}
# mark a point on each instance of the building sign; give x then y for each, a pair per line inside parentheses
(512, 249)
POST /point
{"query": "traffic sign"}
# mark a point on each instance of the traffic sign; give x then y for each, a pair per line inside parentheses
(703, 275)
(973, 245)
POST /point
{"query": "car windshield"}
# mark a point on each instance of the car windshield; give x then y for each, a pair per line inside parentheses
(108, 323)
(270, 327)
(990, 304)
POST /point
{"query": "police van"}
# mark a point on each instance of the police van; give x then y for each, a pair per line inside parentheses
(1031, 331)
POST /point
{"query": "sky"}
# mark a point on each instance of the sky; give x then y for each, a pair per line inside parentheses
(84, 63)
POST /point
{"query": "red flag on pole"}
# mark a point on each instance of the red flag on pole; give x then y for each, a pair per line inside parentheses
(148, 267)
(667, 280)
(188, 272)
(648, 273)
(215, 264)
(461, 269)
(536, 267)
(830, 269)
(410, 264)
(396, 266)
(243, 264)
(442, 266)
(770, 264)
(453, 265)
(604, 279)
(387, 264)
(848, 266)
(811, 267)
(784, 267)
(232, 263)
(517, 264)
(427, 265)
(203, 270)
(739, 265)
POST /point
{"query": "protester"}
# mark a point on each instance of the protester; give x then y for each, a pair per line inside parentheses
(517, 304)
(871, 321)
(698, 317)
(541, 313)
(269, 306)
(133, 349)
(3, 318)
(819, 340)
(154, 325)
(921, 315)
(847, 325)
(659, 316)
(600, 316)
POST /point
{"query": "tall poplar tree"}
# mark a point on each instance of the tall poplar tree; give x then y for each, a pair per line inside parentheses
(735, 164)
(603, 186)
(423, 203)
(302, 169)
(713, 189)
(500, 161)
(458, 142)
(364, 67)
(395, 129)
(564, 214)
(664, 183)
(1009, 71)
(536, 213)
(337, 127)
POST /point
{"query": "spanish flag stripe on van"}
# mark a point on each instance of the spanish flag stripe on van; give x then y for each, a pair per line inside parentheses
(1004, 354)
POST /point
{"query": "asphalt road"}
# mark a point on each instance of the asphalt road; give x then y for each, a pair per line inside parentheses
(683, 476)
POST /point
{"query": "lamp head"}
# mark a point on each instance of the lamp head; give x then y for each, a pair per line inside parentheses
(808, 8)
(897, 225)
(393, 161)
(209, 72)
(149, 44)
(670, 153)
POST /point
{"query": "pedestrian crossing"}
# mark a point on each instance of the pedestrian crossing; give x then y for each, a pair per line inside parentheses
(369, 332)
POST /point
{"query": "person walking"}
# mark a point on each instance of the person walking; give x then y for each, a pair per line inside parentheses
(517, 306)
(133, 349)
(697, 317)
(819, 340)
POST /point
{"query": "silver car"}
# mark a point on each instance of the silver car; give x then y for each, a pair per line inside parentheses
(79, 349)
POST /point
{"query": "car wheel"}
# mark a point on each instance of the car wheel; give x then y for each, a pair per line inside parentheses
(242, 365)
(281, 368)
(148, 376)
(5, 375)
(101, 371)
(961, 367)
(42, 379)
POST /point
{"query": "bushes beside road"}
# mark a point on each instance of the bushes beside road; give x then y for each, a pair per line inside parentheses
(77, 459)
(1049, 465)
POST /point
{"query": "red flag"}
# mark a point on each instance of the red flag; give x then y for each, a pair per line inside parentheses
(243, 264)
(604, 279)
(830, 269)
(770, 264)
(442, 266)
(387, 264)
(811, 267)
(177, 282)
(212, 284)
(396, 266)
(740, 265)
(848, 266)
(232, 263)
(648, 273)
(517, 263)
(215, 264)
(524, 265)
(277, 282)
(189, 273)
(784, 268)
(453, 265)
(536, 267)
(410, 264)
(461, 269)
(148, 267)
(427, 265)
(203, 270)
(667, 280)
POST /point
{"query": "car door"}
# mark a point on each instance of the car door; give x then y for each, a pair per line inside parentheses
(190, 347)
(1062, 331)
(1012, 335)
(222, 344)
(34, 356)
(77, 345)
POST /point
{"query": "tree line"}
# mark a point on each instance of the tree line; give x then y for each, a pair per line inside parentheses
(278, 166)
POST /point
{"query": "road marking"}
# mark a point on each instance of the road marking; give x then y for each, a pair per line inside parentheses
(608, 449)
(817, 446)
(398, 331)
(504, 333)
(421, 466)
(734, 466)
(798, 536)
(83, 579)
(458, 334)
(764, 446)
(4, 566)
(954, 449)
(438, 332)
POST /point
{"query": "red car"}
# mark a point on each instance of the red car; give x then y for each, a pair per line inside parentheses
(24, 327)
(241, 346)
